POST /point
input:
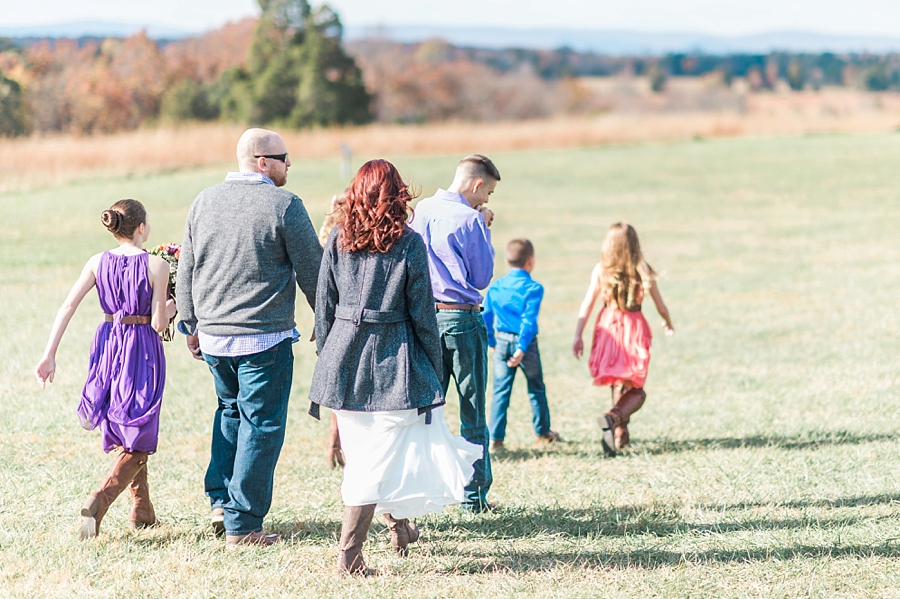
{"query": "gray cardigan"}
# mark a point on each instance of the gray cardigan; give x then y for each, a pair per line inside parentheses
(247, 246)
(376, 330)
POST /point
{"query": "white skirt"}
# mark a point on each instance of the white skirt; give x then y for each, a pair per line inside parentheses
(404, 466)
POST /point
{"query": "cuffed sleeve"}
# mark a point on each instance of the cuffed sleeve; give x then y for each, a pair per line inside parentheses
(479, 254)
(528, 328)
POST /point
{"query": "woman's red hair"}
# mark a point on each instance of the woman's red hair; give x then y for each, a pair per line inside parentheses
(376, 209)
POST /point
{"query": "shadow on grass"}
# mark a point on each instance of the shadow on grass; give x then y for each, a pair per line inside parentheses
(663, 445)
(810, 440)
(531, 561)
(656, 521)
(857, 501)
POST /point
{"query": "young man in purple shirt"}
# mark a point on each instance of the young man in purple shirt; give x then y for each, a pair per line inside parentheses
(511, 307)
(454, 225)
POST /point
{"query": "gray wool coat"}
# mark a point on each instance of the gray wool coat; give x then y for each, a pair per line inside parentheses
(376, 330)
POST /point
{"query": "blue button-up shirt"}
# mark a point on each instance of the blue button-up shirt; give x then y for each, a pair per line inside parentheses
(460, 255)
(512, 306)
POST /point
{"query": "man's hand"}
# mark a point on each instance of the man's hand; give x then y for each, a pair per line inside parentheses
(193, 345)
(516, 359)
(312, 337)
(487, 213)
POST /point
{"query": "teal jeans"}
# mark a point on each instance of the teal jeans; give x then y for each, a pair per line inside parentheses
(464, 345)
(247, 434)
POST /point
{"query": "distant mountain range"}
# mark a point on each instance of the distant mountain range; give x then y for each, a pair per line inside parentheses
(78, 29)
(610, 41)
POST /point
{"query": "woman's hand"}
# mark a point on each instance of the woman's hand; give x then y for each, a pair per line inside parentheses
(578, 347)
(171, 310)
(45, 370)
(669, 329)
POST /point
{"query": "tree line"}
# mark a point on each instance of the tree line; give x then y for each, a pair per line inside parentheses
(292, 68)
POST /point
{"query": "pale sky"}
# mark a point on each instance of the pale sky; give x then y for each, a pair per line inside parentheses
(723, 17)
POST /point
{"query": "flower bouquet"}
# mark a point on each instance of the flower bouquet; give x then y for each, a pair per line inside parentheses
(170, 252)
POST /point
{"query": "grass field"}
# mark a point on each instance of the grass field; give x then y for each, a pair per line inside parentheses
(765, 461)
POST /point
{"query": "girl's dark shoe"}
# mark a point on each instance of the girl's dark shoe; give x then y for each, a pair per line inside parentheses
(629, 403)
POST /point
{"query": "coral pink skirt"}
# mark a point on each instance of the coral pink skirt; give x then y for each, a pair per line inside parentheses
(621, 348)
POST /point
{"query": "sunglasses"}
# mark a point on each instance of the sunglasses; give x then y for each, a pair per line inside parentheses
(281, 157)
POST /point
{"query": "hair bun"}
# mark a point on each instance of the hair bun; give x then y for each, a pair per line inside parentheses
(112, 220)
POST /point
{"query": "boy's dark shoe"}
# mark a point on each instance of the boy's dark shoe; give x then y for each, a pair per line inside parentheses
(479, 508)
(497, 446)
(551, 437)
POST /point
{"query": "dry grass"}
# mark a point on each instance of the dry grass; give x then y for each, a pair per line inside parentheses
(764, 463)
(42, 160)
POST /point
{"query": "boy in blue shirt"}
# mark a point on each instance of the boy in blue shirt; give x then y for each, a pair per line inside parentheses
(511, 306)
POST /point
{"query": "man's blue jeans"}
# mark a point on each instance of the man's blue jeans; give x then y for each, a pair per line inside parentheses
(507, 343)
(464, 344)
(248, 432)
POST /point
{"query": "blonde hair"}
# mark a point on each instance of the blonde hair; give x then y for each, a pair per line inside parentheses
(624, 269)
(334, 217)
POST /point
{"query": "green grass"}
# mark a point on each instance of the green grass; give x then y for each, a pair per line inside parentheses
(765, 460)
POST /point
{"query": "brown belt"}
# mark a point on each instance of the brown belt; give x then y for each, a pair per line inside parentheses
(466, 307)
(129, 319)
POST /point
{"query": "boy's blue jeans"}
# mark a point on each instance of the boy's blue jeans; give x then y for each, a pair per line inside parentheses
(464, 345)
(503, 383)
(247, 434)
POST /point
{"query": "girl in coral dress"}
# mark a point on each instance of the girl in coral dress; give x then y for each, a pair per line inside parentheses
(620, 352)
(127, 367)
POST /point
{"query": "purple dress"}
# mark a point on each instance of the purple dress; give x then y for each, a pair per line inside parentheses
(127, 370)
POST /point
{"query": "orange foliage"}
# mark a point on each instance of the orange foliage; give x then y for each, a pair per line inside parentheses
(207, 56)
(96, 88)
(431, 81)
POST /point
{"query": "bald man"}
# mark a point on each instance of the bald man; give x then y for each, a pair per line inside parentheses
(248, 244)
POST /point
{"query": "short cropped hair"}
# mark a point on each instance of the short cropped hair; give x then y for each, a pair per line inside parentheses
(477, 166)
(518, 251)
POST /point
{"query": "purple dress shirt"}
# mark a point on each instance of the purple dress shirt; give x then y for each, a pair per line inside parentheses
(460, 255)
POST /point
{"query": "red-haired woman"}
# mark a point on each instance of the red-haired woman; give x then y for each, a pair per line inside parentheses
(380, 368)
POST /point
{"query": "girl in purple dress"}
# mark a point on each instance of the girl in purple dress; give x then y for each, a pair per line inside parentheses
(127, 367)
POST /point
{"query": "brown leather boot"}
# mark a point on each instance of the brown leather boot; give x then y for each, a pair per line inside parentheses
(142, 512)
(403, 532)
(123, 471)
(629, 403)
(621, 433)
(334, 455)
(354, 530)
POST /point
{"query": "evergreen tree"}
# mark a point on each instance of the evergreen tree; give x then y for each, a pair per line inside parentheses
(299, 74)
(331, 88)
(12, 114)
